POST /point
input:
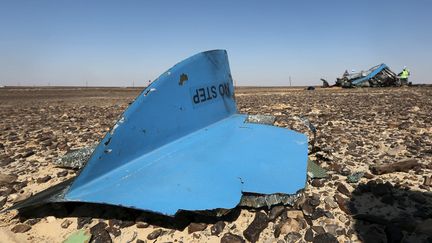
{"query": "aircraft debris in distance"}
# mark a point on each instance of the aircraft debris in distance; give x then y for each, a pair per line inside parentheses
(377, 76)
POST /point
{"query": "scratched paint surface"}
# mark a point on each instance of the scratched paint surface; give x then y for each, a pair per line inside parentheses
(182, 146)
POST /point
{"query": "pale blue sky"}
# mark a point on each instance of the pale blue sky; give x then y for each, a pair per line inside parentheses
(112, 43)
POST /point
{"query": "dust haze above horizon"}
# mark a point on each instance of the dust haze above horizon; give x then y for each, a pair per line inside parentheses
(129, 43)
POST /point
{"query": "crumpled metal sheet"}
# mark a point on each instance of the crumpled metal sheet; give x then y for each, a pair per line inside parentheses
(75, 159)
(377, 76)
(259, 201)
(261, 119)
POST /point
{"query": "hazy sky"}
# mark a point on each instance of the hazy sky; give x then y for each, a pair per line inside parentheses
(113, 43)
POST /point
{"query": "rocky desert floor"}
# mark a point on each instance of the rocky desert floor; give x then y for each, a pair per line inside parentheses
(375, 143)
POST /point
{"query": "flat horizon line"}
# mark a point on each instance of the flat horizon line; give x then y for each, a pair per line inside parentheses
(140, 87)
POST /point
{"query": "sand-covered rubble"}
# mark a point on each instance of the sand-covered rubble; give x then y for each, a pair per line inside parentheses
(375, 143)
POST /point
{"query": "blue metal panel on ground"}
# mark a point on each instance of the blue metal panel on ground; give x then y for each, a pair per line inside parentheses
(182, 146)
(207, 169)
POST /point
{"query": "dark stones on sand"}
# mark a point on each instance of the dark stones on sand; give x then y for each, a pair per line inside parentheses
(259, 223)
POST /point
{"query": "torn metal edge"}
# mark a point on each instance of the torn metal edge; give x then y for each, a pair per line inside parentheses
(56, 194)
(261, 119)
(268, 200)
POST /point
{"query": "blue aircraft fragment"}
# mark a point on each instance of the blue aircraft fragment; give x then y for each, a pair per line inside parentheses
(181, 145)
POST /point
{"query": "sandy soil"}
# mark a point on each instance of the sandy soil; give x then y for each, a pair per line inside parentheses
(357, 129)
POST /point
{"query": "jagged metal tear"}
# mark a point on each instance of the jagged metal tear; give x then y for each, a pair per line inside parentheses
(182, 146)
(261, 119)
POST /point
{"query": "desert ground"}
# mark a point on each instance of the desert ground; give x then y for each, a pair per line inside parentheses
(382, 134)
